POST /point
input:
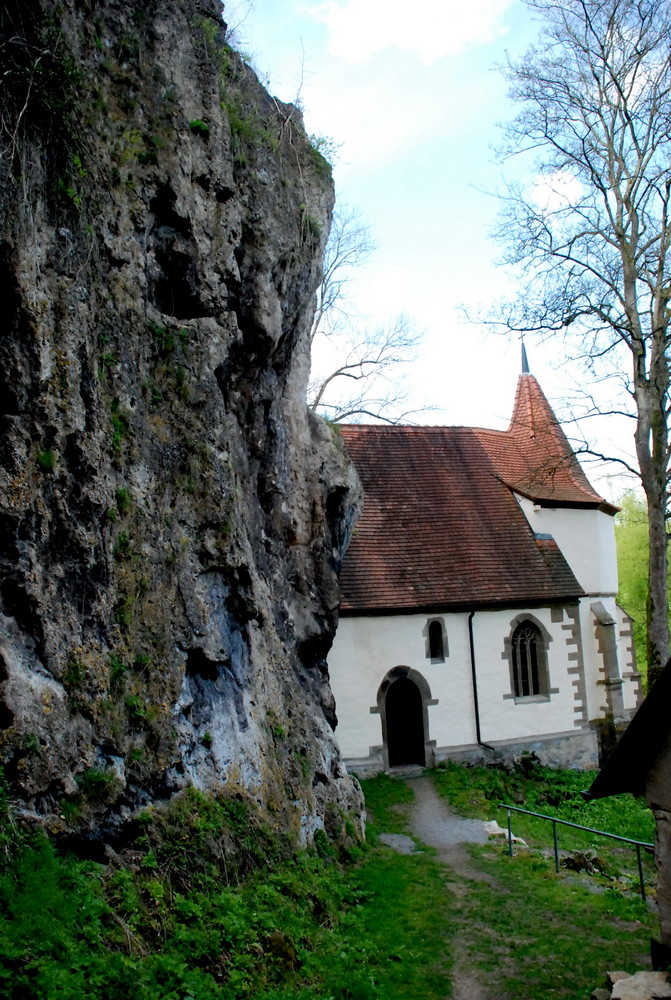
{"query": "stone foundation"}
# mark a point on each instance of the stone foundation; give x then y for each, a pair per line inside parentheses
(576, 750)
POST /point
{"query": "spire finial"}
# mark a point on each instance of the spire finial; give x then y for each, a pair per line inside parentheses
(525, 360)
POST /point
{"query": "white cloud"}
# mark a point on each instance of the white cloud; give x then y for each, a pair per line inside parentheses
(431, 29)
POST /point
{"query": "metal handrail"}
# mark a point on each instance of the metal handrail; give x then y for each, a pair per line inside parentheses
(601, 833)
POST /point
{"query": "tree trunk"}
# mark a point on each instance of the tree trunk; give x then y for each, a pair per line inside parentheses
(651, 448)
(657, 615)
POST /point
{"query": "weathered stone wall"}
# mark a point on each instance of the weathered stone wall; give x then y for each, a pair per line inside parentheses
(171, 517)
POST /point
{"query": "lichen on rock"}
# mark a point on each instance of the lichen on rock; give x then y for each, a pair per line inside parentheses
(172, 517)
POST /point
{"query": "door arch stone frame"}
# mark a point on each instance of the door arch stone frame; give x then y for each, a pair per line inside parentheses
(380, 709)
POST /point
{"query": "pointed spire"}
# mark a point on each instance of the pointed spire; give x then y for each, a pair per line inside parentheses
(548, 467)
(525, 360)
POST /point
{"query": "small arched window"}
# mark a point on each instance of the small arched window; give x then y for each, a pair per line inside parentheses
(530, 675)
(436, 647)
(436, 640)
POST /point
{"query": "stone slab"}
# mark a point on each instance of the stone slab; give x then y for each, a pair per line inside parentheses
(642, 986)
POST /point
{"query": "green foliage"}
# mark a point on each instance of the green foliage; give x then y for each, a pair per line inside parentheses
(550, 933)
(41, 101)
(97, 784)
(123, 500)
(477, 791)
(310, 227)
(68, 192)
(210, 32)
(106, 362)
(137, 709)
(199, 127)
(211, 905)
(631, 536)
(164, 337)
(215, 906)
(46, 460)
(324, 153)
(117, 672)
(123, 548)
(119, 426)
(248, 131)
(74, 676)
(148, 156)
(31, 744)
(141, 661)
(385, 799)
(123, 609)
(53, 918)
(538, 935)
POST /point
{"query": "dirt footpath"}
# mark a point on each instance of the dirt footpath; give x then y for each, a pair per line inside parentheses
(433, 822)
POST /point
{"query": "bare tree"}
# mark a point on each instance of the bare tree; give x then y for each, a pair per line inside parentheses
(366, 378)
(593, 231)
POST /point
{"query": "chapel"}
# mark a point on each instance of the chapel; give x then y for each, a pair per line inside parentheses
(479, 614)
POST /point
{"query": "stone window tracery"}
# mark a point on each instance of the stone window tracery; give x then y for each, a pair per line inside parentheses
(529, 662)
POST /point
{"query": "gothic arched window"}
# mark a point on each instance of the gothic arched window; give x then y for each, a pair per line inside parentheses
(529, 661)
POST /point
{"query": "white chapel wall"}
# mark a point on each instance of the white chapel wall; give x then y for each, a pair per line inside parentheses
(586, 539)
(504, 718)
(594, 666)
(367, 648)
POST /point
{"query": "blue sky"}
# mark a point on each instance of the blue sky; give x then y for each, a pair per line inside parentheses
(412, 97)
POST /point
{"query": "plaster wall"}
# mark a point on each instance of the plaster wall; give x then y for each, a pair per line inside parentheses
(367, 648)
(595, 677)
(632, 692)
(597, 706)
(586, 539)
(502, 717)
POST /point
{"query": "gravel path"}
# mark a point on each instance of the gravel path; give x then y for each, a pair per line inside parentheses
(434, 823)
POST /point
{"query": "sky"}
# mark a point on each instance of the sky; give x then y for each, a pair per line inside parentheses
(412, 97)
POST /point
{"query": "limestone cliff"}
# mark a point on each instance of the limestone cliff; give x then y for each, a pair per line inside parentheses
(172, 518)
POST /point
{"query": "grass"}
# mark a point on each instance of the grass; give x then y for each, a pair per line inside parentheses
(539, 934)
(207, 903)
(409, 915)
(542, 936)
(477, 792)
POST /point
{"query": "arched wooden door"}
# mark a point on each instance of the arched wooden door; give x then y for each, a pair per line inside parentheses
(404, 714)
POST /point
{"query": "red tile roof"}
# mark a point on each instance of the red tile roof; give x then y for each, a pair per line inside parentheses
(534, 457)
(441, 527)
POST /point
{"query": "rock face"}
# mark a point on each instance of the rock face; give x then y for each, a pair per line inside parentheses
(171, 516)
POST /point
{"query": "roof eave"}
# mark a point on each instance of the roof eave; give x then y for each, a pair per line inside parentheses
(460, 607)
(545, 501)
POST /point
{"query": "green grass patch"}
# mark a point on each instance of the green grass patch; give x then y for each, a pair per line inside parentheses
(477, 792)
(539, 934)
(542, 936)
(387, 804)
(207, 902)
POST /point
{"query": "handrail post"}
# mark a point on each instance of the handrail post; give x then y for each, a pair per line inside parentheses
(554, 837)
(576, 826)
(640, 871)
